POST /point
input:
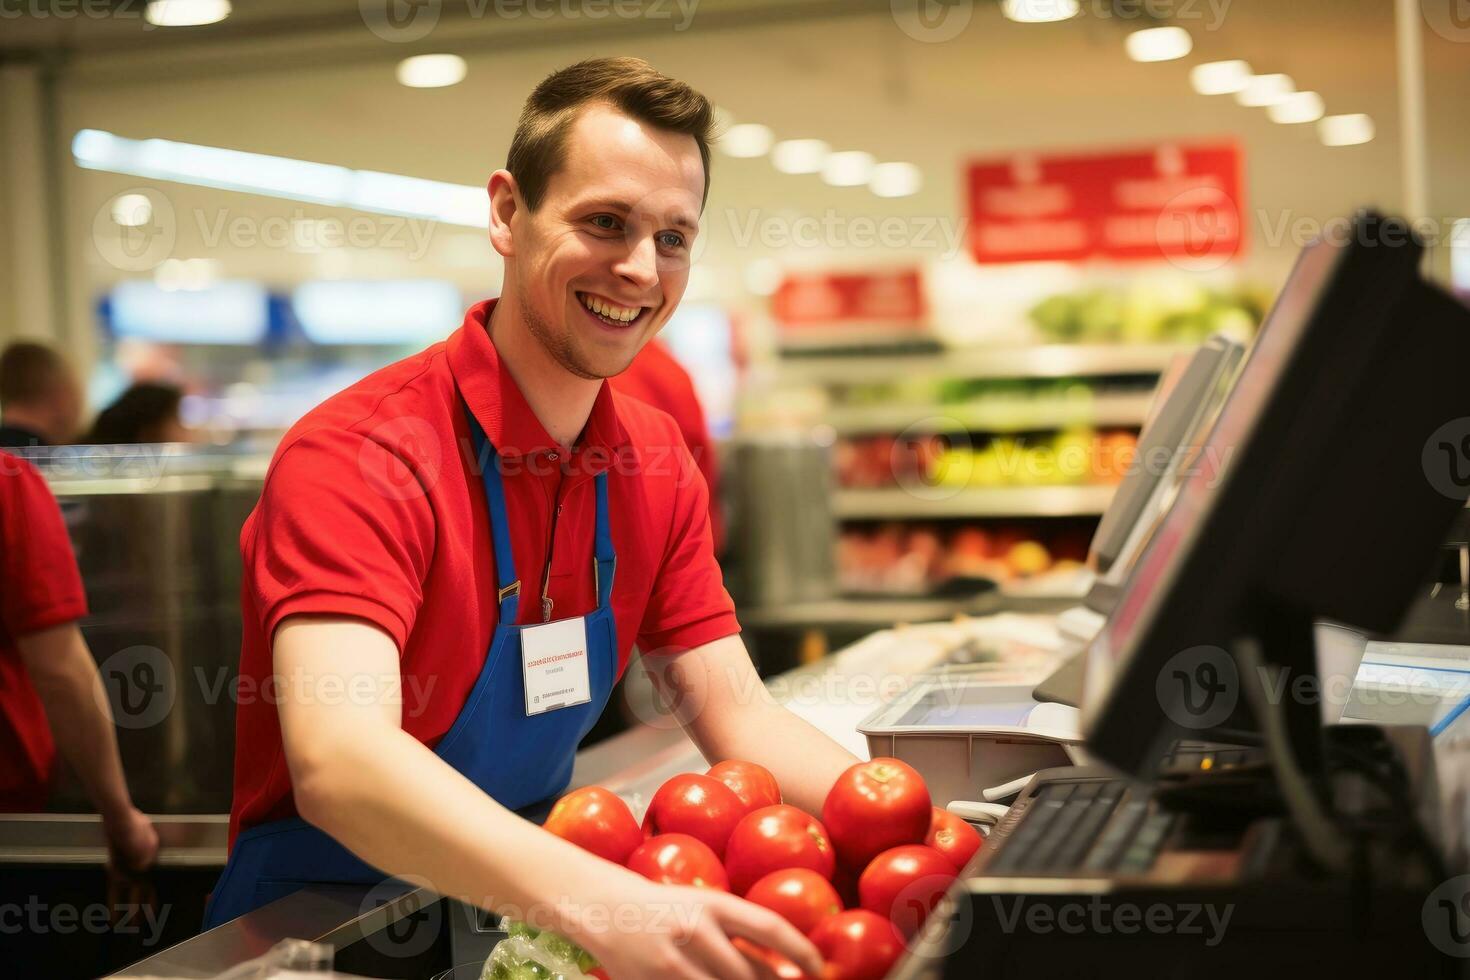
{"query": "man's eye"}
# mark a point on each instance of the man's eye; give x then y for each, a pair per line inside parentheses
(605, 221)
(671, 239)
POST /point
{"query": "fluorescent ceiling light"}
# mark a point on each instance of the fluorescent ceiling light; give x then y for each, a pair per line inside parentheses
(747, 140)
(431, 70)
(1159, 44)
(293, 180)
(1039, 11)
(1220, 77)
(1299, 107)
(895, 180)
(1345, 130)
(799, 156)
(186, 13)
(1264, 90)
(849, 168)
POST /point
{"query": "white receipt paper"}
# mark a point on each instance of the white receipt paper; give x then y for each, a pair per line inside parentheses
(554, 665)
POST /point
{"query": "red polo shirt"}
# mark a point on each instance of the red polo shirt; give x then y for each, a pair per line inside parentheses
(373, 508)
(40, 587)
(656, 378)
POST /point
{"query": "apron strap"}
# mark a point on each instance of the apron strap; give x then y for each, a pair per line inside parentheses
(488, 462)
(604, 559)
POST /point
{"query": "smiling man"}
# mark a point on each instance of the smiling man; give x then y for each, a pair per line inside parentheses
(452, 560)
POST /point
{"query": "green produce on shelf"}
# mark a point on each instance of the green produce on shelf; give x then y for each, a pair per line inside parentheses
(1155, 311)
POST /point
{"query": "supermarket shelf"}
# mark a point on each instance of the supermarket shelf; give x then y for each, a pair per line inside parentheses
(1041, 361)
(1016, 416)
(980, 502)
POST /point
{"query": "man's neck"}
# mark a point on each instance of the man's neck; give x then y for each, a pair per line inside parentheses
(561, 401)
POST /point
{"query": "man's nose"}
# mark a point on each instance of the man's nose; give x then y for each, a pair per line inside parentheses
(640, 265)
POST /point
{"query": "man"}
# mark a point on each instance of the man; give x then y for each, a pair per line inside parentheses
(50, 693)
(452, 559)
(40, 399)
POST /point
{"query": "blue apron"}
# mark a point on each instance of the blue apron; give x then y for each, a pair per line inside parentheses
(519, 760)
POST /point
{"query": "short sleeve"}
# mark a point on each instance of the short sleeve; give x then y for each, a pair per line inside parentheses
(40, 585)
(689, 606)
(343, 528)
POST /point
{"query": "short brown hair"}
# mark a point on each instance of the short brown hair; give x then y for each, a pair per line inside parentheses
(28, 373)
(630, 85)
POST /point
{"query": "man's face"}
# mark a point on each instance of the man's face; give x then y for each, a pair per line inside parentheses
(613, 233)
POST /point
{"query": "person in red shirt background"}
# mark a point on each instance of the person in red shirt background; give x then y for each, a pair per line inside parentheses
(51, 695)
(656, 378)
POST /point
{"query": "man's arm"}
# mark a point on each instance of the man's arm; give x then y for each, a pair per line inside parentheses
(65, 675)
(725, 708)
(390, 800)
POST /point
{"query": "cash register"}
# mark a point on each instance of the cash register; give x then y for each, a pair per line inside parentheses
(1224, 830)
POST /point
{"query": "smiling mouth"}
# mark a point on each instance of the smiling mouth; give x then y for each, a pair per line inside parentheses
(610, 313)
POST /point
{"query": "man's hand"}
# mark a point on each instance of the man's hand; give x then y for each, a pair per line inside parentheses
(637, 928)
(132, 841)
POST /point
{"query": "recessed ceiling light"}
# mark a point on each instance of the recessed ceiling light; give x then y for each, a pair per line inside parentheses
(1159, 44)
(850, 168)
(747, 140)
(186, 13)
(1298, 107)
(1264, 90)
(799, 156)
(132, 210)
(1039, 11)
(431, 70)
(1220, 77)
(895, 180)
(1345, 130)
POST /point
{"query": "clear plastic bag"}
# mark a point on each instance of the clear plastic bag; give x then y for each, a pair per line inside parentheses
(528, 953)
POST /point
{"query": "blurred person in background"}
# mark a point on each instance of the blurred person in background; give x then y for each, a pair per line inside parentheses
(51, 695)
(656, 378)
(146, 412)
(40, 398)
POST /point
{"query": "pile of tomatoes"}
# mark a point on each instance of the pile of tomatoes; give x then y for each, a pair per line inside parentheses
(858, 882)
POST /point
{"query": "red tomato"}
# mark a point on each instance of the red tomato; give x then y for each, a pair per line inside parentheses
(596, 820)
(874, 806)
(951, 836)
(776, 964)
(678, 859)
(696, 805)
(904, 883)
(754, 784)
(800, 895)
(857, 945)
(776, 837)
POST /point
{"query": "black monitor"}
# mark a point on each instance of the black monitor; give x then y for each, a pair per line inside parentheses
(1329, 495)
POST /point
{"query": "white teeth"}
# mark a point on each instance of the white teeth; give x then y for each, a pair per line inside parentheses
(611, 312)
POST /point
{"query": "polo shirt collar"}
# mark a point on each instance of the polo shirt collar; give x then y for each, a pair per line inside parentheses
(497, 403)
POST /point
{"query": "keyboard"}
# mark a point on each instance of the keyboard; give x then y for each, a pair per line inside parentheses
(1090, 826)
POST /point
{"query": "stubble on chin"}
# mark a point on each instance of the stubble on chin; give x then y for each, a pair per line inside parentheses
(560, 348)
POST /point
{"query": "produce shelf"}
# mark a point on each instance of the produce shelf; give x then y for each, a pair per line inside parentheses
(939, 502)
(1102, 411)
(1039, 361)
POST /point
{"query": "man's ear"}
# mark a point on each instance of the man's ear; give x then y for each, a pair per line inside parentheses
(505, 201)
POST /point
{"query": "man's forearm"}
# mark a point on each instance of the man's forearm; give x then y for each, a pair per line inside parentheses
(804, 760)
(77, 709)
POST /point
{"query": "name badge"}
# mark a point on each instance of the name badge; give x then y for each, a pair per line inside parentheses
(554, 665)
